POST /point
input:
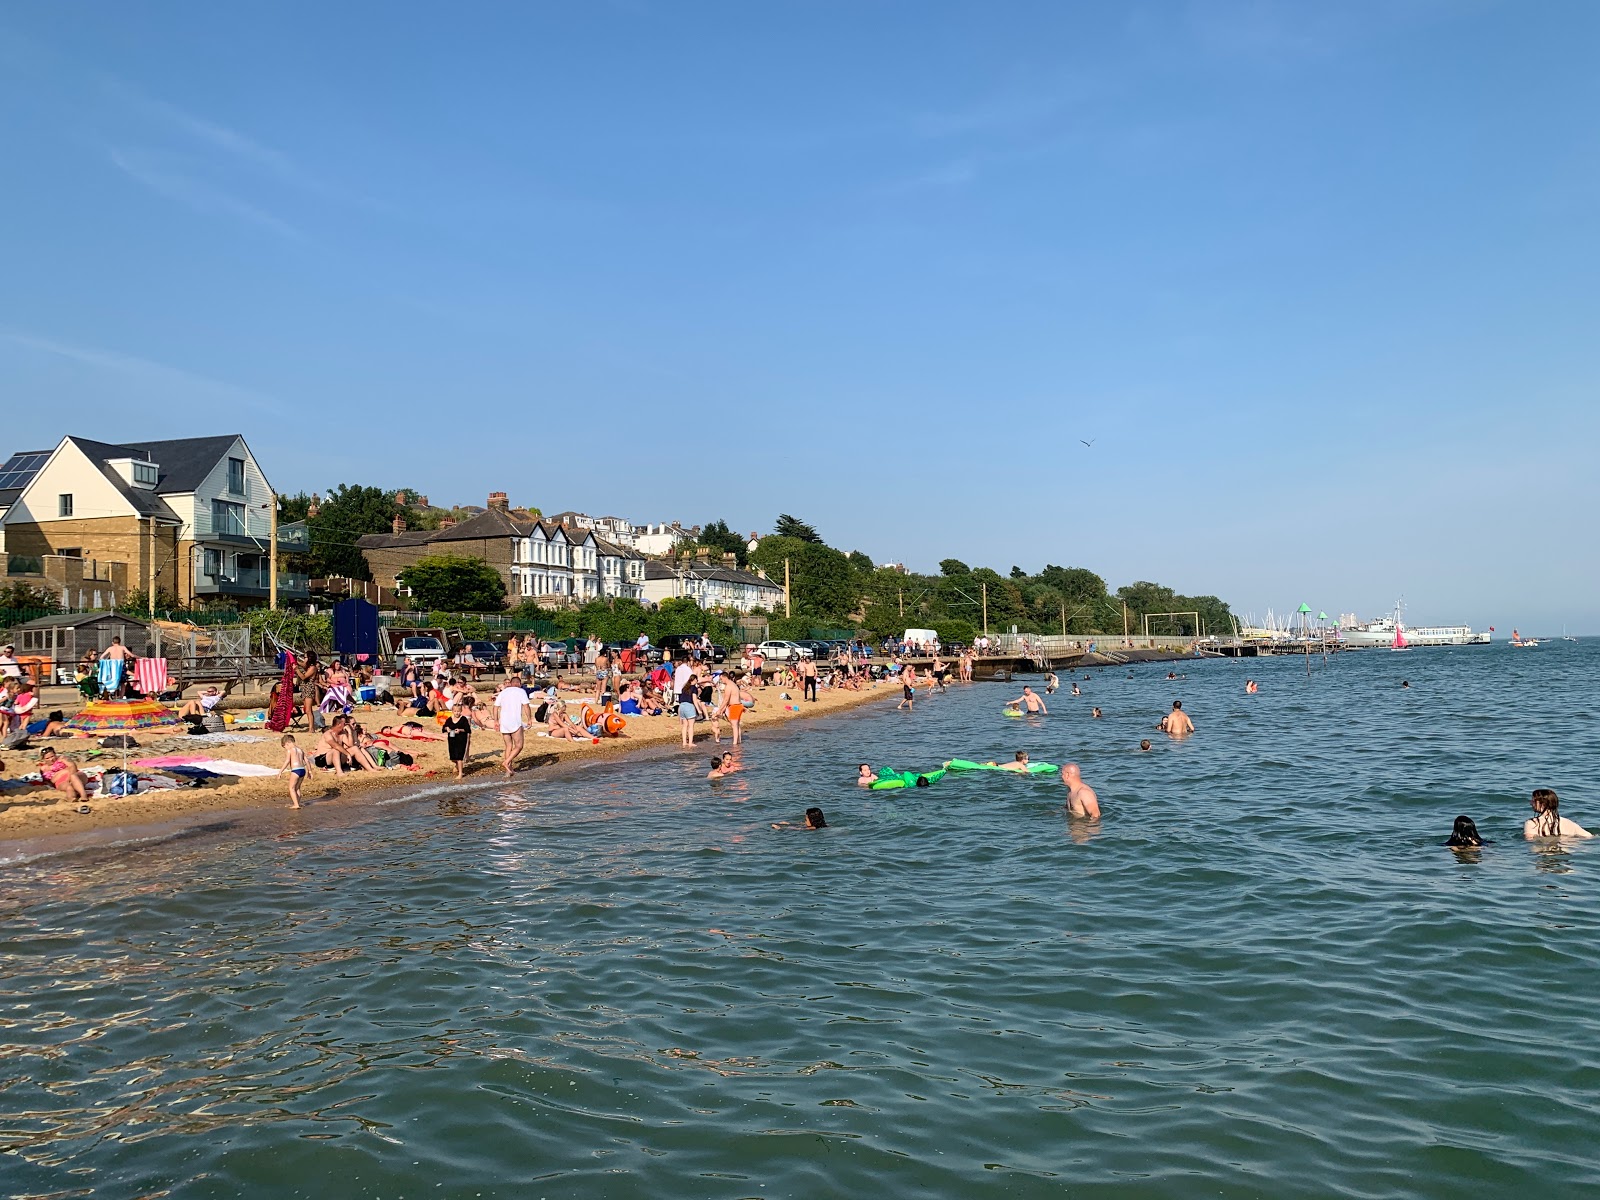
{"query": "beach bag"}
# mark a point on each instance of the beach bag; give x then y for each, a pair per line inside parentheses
(119, 783)
(212, 722)
(402, 759)
(119, 741)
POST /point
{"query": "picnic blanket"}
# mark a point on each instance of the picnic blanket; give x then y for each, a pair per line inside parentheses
(185, 763)
(150, 676)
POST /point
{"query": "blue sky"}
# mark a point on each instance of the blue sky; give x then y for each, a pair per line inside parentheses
(1319, 281)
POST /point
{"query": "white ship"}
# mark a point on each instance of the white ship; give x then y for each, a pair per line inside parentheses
(1382, 633)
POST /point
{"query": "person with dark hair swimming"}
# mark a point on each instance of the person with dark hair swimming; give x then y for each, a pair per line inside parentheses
(1549, 822)
(814, 820)
(1465, 834)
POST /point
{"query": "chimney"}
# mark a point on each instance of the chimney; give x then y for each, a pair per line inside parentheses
(422, 502)
(447, 522)
(702, 552)
(400, 499)
(730, 559)
(498, 501)
(314, 507)
(399, 525)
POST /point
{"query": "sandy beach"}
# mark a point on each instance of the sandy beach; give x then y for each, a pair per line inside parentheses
(35, 812)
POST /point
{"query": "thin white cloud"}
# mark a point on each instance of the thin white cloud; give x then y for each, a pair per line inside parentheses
(143, 370)
(197, 193)
(946, 177)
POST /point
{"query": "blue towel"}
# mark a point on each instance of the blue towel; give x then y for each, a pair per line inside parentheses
(110, 674)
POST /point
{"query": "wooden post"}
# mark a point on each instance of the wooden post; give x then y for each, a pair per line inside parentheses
(788, 608)
(902, 604)
(152, 568)
(272, 555)
(985, 609)
(1124, 622)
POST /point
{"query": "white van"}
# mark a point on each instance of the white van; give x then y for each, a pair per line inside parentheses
(923, 637)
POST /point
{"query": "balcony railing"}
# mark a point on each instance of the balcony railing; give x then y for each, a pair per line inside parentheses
(254, 582)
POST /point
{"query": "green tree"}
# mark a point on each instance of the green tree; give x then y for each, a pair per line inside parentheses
(619, 620)
(794, 527)
(447, 581)
(343, 515)
(677, 614)
(953, 567)
(22, 596)
(724, 540)
(823, 585)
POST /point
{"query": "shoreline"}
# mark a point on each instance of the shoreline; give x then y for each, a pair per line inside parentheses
(33, 825)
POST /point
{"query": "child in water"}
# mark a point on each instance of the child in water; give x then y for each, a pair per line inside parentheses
(814, 820)
(1465, 833)
(294, 762)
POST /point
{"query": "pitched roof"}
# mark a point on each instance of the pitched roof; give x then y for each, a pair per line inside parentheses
(145, 503)
(612, 550)
(72, 620)
(184, 462)
(656, 568)
(383, 541)
(490, 523)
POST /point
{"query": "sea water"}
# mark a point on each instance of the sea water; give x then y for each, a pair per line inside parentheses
(1261, 975)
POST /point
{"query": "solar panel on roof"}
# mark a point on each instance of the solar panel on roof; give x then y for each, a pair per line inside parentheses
(19, 470)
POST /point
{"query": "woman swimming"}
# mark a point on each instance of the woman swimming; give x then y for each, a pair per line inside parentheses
(1548, 821)
(1465, 833)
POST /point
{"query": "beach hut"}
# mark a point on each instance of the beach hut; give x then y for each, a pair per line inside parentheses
(49, 646)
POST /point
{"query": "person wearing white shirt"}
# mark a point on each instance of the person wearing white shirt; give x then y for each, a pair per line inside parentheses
(512, 701)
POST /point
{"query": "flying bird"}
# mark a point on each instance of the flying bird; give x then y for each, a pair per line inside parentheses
(1090, 444)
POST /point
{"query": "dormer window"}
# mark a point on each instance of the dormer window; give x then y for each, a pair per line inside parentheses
(144, 474)
(138, 472)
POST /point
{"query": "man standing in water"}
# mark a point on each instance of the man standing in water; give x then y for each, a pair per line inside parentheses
(1081, 799)
(1176, 723)
(512, 701)
(1030, 702)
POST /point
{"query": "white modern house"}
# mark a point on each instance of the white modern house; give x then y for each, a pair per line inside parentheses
(188, 516)
(710, 585)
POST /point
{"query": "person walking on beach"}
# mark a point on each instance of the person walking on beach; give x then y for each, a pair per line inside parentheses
(688, 705)
(1548, 821)
(458, 737)
(1176, 723)
(295, 765)
(1081, 798)
(512, 701)
(808, 678)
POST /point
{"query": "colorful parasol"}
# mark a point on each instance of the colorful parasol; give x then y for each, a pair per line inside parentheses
(110, 716)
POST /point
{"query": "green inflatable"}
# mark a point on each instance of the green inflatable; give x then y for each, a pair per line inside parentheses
(1034, 768)
(888, 779)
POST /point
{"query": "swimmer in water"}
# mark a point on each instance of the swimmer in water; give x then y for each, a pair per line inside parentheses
(1144, 743)
(1549, 822)
(865, 776)
(1051, 683)
(1176, 722)
(1020, 763)
(814, 820)
(1405, 683)
(1076, 690)
(722, 765)
(1251, 687)
(1464, 834)
(1081, 799)
(1094, 712)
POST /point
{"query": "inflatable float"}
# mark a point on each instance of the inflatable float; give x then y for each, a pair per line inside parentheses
(1033, 768)
(888, 779)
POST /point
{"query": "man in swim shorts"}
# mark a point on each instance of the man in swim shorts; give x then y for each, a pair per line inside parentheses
(1176, 722)
(1030, 701)
(1081, 800)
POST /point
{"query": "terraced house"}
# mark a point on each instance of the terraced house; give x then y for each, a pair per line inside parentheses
(189, 516)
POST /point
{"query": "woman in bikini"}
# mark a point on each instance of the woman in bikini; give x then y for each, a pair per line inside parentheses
(62, 775)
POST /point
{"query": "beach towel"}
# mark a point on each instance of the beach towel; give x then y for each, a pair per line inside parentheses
(150, 676)
(109, 674)
(283, 707)
(337, 699)
(171, 760)
(227, 766)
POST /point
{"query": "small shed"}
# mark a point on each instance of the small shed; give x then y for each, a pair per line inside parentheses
(50, 645)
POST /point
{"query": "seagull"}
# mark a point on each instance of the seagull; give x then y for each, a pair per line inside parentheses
(1090, 444)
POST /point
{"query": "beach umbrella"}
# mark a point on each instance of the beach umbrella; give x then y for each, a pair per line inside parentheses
(114, 716)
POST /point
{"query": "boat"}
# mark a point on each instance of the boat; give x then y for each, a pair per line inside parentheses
(1399, 637)
(1521, 642)
(1382, 633)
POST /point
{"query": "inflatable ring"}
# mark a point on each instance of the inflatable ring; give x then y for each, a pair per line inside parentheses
(614, 724)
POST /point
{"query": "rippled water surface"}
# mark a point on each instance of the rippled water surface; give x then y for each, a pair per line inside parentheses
(1261, 976)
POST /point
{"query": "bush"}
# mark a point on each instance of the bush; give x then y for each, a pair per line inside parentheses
(955, 629)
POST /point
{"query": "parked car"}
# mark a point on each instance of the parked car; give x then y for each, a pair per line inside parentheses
(818, 648)
(420, 649)
(489, 655)
(683, 644)
(780, 650)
